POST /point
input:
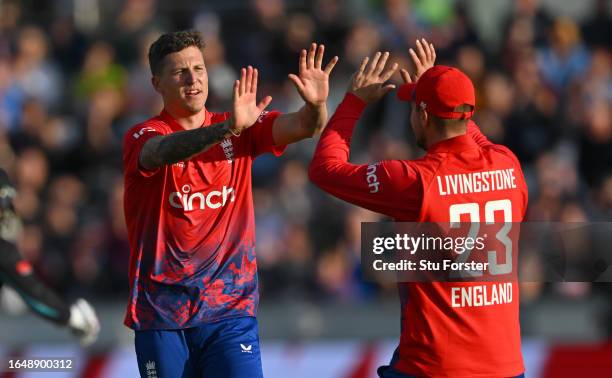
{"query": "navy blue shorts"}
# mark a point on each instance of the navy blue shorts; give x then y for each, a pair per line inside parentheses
(224, 349)
(387, 371)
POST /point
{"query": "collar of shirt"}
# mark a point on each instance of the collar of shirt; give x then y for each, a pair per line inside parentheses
(175, 126)
(456, 144)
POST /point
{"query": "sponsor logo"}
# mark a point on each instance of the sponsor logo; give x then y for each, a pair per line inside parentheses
(372, 179)
(190, 201)
(246, 348)
(151, 370)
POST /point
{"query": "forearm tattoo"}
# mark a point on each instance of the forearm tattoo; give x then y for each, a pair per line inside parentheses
(182, 145)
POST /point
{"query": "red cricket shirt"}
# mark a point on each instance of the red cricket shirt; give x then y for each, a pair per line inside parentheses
(191, 228)
(441, 335)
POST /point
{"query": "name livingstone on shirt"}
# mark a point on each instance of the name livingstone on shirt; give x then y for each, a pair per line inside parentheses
(476, 182)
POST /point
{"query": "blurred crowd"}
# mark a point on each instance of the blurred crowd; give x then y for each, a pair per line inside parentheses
(74, 76)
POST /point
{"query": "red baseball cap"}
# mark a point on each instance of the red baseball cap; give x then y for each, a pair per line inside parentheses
(439, 91)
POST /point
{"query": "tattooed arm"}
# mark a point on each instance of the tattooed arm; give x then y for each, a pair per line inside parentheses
(182, 145)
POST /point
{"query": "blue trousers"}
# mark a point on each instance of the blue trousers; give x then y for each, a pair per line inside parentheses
(225, 349)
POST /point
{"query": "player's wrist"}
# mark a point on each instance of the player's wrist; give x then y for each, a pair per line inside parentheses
(316, 107)
(231, 128)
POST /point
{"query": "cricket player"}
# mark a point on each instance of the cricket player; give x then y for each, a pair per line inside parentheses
(189, 211)
(18, 273)
(441, 335)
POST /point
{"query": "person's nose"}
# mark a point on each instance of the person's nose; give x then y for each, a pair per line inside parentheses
(190, 77)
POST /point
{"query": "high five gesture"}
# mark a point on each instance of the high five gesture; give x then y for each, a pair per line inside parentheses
(245, 106)
(368, 82)
(423, 59)
(312, 81)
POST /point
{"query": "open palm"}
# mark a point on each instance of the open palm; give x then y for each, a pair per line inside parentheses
(423, 59)
(368, 83)
(246, 109)
(312, 83)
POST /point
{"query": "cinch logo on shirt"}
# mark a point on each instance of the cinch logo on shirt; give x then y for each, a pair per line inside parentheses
(199, 200)
(372, 179)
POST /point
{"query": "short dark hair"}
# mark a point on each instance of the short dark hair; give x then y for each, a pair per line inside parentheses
(170, 43)
(446, 123)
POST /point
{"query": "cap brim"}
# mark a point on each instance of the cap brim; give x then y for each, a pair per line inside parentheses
(406, 92)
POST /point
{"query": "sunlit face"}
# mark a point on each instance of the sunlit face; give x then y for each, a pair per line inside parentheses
(183, 82)
(418, 126)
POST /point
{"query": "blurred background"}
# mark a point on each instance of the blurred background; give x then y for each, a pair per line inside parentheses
(74, 77)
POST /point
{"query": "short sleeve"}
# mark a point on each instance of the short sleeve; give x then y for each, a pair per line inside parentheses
(133, 141)
(260, 135)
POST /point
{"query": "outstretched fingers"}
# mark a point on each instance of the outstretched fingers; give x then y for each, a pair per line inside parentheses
(369, 82)
(381, 63)
(242, 86)
(430, 52)
(253, 88)
(330, 66)
(373, 64)
(433, 51)
(247, 83)
(389, 72)
(363, 65)
(405, 76)
(249, 79)
(421, 51)
(303, 54)
(427, 49)
(297, 82)
(415, 59)
(236, 89)
(318, 62)
(263, 104)
(311, 56)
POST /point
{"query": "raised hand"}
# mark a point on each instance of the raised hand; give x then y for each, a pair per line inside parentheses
(312, 82)
(368, 82)
(246, 110)
(423, 59)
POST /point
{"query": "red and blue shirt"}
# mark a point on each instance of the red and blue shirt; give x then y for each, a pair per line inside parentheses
(191, 228)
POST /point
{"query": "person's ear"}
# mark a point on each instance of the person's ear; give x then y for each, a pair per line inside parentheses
(424, 117)
(155, 83)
